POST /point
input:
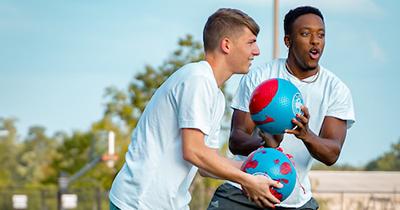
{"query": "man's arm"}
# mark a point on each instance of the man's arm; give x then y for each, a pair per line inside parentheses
(241, 140)
(326, 146)
(204, 173)
(197, 153)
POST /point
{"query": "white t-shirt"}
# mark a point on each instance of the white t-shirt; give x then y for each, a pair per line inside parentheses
(155, 175)
(326, 96)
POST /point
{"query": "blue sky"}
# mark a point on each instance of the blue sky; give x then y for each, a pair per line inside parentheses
(57, 57)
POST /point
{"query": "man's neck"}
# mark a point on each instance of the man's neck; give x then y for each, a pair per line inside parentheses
(298, 72)
(220, 69)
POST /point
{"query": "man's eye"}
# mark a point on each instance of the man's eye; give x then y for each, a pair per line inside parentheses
(304, 33)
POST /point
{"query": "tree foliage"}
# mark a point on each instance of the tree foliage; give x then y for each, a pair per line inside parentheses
(389, 161)
(35, 156)
(8, 152)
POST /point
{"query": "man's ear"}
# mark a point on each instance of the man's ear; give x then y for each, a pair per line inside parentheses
(287, 41)
(225, 45)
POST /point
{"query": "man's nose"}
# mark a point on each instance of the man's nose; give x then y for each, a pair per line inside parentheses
(256, 51)
(315, 40)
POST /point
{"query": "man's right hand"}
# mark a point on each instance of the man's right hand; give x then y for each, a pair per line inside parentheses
(257, 188)
(270, 140)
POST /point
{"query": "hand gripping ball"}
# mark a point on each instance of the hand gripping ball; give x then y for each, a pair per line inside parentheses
(273, 105)
(274, 164)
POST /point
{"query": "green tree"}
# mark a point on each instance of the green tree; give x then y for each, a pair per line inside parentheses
(72, 153)
(78, 150)
(389, 161)
(8, 152)
(35, 157)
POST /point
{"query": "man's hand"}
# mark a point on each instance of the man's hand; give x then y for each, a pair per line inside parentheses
(270, 140)
(257, 188)
(301, 130)
(325, 146)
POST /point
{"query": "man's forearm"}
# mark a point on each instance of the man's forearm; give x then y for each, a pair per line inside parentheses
(204, 173)
(323, 149)
(215, 165)
(241, 143)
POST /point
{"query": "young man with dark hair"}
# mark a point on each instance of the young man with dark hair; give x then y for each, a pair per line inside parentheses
(178, 131)
(319, 133)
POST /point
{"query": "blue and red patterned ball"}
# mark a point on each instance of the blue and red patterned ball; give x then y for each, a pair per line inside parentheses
(273, 105)
(274, 164)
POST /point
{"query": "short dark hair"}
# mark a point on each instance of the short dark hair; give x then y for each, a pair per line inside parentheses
(226, 22)
(293, 14)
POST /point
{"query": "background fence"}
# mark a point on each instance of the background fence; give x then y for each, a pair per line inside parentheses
(96, 199)
(330, 200)
(46, 198)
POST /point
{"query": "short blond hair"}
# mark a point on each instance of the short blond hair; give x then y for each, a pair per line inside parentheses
(226, 22)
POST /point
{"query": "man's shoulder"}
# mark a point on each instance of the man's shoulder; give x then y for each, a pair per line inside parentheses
(198, 76)
(195, 67)
(200, 70)
(332, 78)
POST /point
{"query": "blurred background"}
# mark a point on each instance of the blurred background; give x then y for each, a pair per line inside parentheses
(71, 72)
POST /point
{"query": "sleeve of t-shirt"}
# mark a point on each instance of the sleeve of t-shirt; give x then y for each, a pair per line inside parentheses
(241, 99)
(212, 140)
(194, 102)
(341, 104)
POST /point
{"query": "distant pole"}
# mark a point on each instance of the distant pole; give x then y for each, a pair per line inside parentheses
(275, 51)
(111, 143)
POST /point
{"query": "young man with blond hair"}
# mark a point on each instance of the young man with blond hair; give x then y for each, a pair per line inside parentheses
(177, 133)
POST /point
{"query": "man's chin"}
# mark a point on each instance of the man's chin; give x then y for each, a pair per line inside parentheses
(311, 66)
(244, 71)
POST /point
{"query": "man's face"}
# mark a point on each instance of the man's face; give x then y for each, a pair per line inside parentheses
(307, 41)
(244, 49)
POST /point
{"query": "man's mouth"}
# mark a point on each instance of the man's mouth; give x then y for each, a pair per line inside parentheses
(314, 53)
(251, 60)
